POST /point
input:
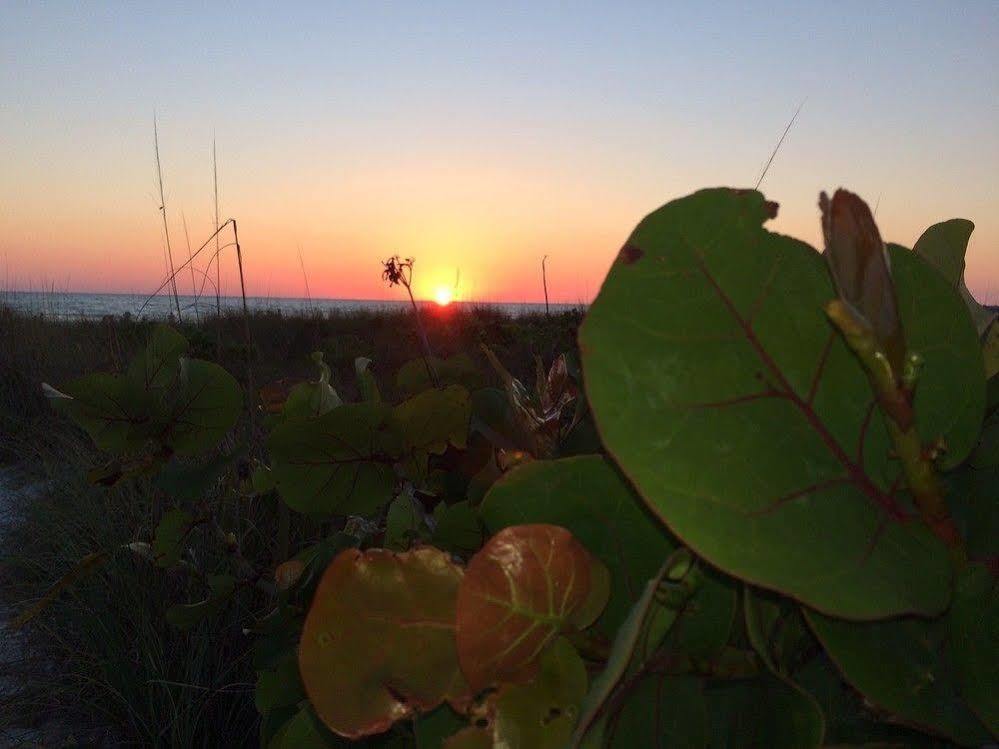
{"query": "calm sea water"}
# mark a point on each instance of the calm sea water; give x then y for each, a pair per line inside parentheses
(72, 305)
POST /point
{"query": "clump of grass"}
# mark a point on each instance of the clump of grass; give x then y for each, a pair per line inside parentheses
(102, 662)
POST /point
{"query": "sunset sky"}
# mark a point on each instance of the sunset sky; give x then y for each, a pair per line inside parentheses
(476, 138)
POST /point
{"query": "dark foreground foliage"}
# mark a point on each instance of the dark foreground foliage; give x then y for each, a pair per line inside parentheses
(756, 508)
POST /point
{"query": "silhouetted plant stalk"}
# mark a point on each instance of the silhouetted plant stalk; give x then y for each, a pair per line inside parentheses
(218, 272)
(399, 272)
(166, 227)
(194, 287)
(544, 283)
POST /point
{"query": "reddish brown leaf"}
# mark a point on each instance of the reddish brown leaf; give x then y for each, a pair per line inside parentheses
(378, 642)
(860, 269)
(524, 587)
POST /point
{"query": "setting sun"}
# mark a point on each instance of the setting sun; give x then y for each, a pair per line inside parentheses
(443, 296)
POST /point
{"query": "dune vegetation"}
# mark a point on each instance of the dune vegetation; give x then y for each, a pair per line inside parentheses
(749, 499)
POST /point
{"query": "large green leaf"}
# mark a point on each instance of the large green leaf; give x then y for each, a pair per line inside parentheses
(944, 245)
(705, 623)
(404, 523)
(537, 715)
(670, 710)
(185, 405)
(850, 720)
(305, 731)
(906, 666)
(541, 714)
(986, 452)
(206, 407)
(434, 419)
(588, 496)
(636, 642)
(459, 369)
(310, 399)
(766, 711)
(339, 463)
(974, 642)
(193, 482)
(950, 394)
(112, 409)
(776, 629)
(976, 508)
(990, 350)
(457, 528)
(168, 541)
(378, 643)
(728, 399)
(157, 366)
(528, 584)
(648, 691)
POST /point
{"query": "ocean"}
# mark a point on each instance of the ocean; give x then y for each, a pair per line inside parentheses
(70, 305)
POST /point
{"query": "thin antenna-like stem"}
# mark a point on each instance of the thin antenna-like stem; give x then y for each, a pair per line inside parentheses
(246, 322)
(166, 226)
(544, 282)
(194, 287)
(400, 272)
(305, 276)
(428, 352)
(779, 144)
(242, 283)
(218, 272)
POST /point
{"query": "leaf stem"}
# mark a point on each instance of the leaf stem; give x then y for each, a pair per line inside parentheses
(894, 396)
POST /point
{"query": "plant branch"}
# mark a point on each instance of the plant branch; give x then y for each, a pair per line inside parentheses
(894, 395)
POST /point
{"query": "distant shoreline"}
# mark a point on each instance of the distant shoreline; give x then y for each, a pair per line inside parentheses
(90, 305)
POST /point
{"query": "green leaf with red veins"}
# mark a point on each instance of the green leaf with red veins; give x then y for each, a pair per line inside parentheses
(528, 584)
(727, 398)
(207, 406)
(339, 463)
(937, 675)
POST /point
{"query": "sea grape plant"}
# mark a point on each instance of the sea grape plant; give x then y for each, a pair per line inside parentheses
(788, 539)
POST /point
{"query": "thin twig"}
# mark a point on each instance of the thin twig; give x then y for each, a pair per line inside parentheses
(779, 144)
(305, 276)
(218, 272)
(173, 275)
(544, 282)
(166, 226)
(251, 390)
(194, 290)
